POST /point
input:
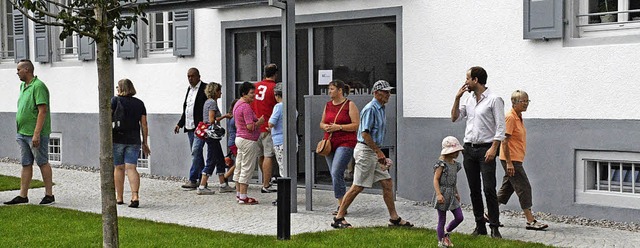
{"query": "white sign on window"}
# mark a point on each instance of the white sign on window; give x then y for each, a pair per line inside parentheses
(325, 77)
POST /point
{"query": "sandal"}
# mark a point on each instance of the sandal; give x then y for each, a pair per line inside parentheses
(340, 223)
(338, 210)
(248, 201)
(398, 223)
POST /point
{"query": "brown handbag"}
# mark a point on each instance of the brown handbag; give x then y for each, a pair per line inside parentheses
(324, 146)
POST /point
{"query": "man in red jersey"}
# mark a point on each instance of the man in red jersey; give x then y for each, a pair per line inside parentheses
(263, 106)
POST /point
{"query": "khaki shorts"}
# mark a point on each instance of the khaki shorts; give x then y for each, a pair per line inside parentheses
(246, 160)
(367, 170)
(265, 144)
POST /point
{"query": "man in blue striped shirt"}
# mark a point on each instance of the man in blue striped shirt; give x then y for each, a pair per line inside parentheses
(371, 163)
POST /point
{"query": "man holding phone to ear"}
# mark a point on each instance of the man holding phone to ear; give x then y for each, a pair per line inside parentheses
(485, 130)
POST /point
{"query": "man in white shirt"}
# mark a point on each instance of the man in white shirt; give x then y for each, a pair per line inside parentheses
(191, 116)
(485, 129)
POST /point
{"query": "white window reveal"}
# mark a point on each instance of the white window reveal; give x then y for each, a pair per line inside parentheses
(68, 48)
(603, 18)
(608, 178)
(6, 30)
(55, 148)
(160, 33)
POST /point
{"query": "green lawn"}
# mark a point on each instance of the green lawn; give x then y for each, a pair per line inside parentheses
(13, 183)
(45, 226)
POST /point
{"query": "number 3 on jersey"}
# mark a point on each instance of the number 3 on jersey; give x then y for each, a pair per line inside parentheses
(260, 93)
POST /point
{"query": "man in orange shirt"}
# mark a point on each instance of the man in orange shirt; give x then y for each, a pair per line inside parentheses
(513, 150)
(262, 105)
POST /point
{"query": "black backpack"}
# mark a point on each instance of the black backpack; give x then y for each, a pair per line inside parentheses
(119, 121)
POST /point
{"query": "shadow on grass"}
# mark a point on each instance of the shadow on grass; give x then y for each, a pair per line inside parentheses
(8, 183)
(38, 226)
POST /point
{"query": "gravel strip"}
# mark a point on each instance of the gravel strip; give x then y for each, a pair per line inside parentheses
(572, 220)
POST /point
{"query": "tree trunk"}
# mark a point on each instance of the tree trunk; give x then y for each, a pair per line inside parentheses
(105, 92)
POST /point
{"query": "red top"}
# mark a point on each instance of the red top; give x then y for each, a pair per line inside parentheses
(339, 138)
(264, 101)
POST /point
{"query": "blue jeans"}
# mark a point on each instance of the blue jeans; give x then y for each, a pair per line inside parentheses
(337, 162)
(28, 153)
(215, 158)
(125, 154)
(197, 160)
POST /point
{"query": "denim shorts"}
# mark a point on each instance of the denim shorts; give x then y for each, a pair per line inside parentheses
(28, 153)
(125, 153)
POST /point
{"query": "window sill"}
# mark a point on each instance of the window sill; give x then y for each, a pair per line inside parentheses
(169, 58)
(8, 64)
(67, 63)
(608, 199)
(603, 40)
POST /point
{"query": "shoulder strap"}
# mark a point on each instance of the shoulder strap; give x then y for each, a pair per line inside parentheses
(335, 119)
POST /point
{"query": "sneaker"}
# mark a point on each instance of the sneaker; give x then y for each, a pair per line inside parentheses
(447, 241)
(268, 189)
(190, 186)
(535, 225)
(226, 189)
(205, 191)
(274, 180)
(247, 201)
(17, 200)
(441, 245)
(48, 199)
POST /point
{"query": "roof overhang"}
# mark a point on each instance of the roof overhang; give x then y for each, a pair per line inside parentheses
(171, 5)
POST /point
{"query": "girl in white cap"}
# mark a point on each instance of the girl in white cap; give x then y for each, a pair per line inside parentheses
(446, 197)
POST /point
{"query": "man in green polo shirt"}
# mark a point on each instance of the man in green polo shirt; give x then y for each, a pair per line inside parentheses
(33, 122)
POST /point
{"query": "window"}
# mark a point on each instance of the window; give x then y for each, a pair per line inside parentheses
(143, 160)
(55, 148)
(6, 34)
(168, 33)
(604, 178)
(604, 18)
(346, 51)
(246, 55)
(67, 48)
(159, 35)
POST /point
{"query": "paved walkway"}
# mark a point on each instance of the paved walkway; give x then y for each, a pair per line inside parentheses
(164, 201)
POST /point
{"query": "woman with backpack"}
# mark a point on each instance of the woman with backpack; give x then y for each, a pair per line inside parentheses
(129, 117)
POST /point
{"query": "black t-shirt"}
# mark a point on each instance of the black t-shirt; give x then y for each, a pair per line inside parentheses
(134, 110)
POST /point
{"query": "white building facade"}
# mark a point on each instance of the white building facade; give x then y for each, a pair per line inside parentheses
(583, 157)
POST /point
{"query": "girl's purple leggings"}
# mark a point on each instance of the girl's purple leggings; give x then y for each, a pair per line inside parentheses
(442, 218)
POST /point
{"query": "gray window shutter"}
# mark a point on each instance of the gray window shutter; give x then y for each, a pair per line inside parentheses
(20, 36)
(128, 50)
(543, 19)
(41, 38)
(86, 48)
(183, 39)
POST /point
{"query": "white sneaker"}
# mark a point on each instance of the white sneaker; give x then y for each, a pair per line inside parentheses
(205, 191)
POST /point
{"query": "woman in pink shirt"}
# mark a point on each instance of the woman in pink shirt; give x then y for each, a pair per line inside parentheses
(248, 132)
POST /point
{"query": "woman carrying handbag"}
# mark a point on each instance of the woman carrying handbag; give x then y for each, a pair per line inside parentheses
(340, 121)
